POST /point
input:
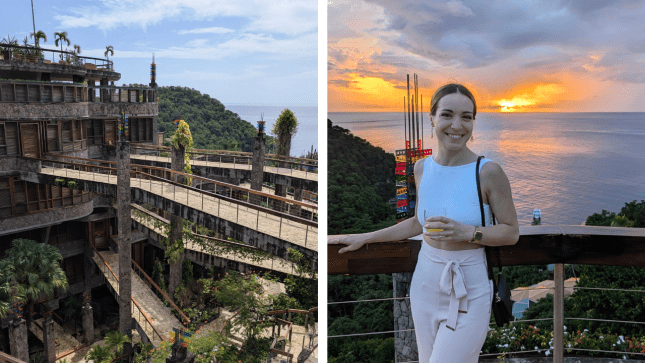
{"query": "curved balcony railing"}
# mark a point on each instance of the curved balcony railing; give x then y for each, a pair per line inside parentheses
(17, 53)
(240, 158)
(128, 94)
(43, 92)
(586, 245)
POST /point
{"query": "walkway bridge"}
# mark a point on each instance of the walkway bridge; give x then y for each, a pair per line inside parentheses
(537, 245)
(270, 223)
(297, 173)
(206, 254)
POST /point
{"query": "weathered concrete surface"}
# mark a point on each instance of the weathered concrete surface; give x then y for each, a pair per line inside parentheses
(405, 343)
(257, 169)
(88, 324)
(176, 224)
(114, 108)
(209, 169)
(18, 339)
(48, 339)
(124, 213)
(77, 154)
(264, 231)
(42, 111)
(212, 257)
(10, 165)
(45, 218)
(160, 315)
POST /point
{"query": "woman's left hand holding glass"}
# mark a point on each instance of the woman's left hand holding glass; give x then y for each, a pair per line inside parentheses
(452, 231)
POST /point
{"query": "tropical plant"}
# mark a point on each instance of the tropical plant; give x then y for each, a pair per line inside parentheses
(109, 50)
(61, 37)
(99, 354)
(284, 128)
(116, 341)
(37, 36)
(77, 49)
(36, 272)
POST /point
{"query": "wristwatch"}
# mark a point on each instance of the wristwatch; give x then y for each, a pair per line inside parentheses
(477, 235)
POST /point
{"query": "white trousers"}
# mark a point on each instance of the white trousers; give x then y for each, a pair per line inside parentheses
(450, 299)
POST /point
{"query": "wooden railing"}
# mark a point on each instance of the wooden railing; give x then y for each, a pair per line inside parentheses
(6, 358)
(587, 245)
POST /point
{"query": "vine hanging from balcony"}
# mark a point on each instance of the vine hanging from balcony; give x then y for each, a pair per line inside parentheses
(183, 137)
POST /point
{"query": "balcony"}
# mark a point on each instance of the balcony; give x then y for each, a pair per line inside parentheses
(585, 245)
(19, 62)
(111, 100)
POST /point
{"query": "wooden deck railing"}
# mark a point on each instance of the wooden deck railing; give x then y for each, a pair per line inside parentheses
(587, 245)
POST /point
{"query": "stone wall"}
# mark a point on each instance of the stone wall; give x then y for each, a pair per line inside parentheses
(114, 108)
(405, 343)
(45, 218)
(42, 111)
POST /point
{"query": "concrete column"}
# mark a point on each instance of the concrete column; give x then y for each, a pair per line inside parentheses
(18, 339)
(558, 314)
(124, 236)
(48, 339)
(405, 343)
(155, 125)
(257, 171)
(104, 93)
(88, 253)
(88, 324)
(177, 163)
(297, 195)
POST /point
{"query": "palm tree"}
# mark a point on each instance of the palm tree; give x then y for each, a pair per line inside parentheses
(116, 340)
(38, 36)
(6, 271)
(61, 37)
(77, 49)
(99, 354)
(109, 50)
(36, 272)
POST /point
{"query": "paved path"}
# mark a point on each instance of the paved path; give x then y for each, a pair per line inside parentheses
(159, 314)
(244, 165)
(276, 226)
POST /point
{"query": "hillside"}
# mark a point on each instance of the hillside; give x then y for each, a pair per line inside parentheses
(361, 181)
(212, 125)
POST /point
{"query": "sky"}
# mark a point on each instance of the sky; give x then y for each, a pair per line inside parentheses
(516, 56)
(249, 52)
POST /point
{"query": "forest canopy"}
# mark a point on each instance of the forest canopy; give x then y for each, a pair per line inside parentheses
(212, 125)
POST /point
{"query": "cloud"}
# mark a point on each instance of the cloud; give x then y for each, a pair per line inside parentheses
(292, 17)
(211, 30)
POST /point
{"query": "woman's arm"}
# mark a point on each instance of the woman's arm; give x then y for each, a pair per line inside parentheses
(401, 231)
(496, 191)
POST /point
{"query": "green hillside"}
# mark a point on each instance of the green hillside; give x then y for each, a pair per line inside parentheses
(211, 124)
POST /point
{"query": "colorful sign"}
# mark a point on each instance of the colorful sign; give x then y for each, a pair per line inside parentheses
(401, 203)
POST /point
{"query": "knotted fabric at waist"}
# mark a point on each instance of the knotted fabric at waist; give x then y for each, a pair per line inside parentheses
(452, 281)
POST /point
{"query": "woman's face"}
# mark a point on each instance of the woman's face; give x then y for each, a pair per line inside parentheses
(453, 121)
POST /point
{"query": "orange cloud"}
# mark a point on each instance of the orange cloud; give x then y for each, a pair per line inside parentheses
(541, 95)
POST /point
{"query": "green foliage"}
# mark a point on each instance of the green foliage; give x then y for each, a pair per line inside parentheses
(284, 128)
(33, 270)
(243, 293)
(145, 354)
(182, 137)
(369, 350)
(301, 288)
(212, 126)
(359, 318)
(361, 181)
(115, 341)
(99, 354)
(187, 271)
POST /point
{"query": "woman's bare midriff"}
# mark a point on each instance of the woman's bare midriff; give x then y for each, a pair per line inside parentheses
(451, 246)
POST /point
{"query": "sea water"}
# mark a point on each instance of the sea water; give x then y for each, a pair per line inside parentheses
(569, 165)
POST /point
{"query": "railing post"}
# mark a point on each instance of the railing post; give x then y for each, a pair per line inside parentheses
(558, 314)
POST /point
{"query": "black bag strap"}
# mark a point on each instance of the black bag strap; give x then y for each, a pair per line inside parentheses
(486, 248)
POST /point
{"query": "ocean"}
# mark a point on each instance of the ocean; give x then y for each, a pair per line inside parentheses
(305, 138)
(569, 165)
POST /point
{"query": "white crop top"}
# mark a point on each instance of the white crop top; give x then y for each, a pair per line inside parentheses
(450, 191)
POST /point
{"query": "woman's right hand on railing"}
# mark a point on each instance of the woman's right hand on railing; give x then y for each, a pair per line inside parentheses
(353, 241)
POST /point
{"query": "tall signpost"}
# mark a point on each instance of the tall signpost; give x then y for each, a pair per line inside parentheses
(405, 341)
